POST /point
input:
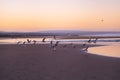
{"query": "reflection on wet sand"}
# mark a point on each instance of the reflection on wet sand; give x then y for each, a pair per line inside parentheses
(112, 50)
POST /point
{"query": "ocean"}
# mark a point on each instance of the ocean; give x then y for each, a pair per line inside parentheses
(111, 48)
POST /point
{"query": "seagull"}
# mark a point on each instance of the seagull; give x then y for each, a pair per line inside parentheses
(85, 49)
(51, 43)
(19, 42)
(55, 45)
(95, 40)
(43, 40)
(34, 41)
(89, 41)
(24, 42)
(84, 45)
(29, 41)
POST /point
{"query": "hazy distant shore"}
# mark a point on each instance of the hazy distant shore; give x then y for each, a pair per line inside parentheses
(40, 62)
(62, 34)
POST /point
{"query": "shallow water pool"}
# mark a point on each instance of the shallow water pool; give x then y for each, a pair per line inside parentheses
(111, 50)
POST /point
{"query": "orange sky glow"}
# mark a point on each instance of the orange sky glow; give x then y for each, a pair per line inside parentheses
(37, 15)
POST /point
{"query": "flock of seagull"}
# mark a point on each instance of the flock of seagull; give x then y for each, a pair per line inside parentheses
(89, 41)
(54, 44)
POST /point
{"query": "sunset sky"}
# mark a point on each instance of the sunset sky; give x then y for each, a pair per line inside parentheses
(37, 15)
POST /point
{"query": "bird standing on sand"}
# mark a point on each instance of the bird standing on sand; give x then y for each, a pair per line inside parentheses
(24, 42)
(84, 45)
(55, 45)
(95, 40)
(19, 42)
(51, 43)
(89, 41)
(34, 41)
(85, 49)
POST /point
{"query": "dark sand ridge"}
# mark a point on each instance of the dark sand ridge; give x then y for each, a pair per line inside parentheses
(40, 62)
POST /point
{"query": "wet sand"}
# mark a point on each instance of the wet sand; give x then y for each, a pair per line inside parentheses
(40, 62)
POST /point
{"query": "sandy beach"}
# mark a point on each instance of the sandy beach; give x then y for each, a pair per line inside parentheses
(40, 62)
